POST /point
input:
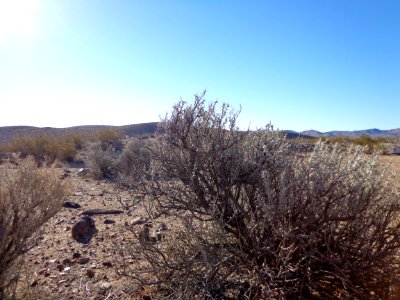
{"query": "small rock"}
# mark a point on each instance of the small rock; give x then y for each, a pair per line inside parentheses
(83, 260)
(60, 267)
(138, 221)
(82, 172)
(34, 282)
(83, 229)
(42, 271)
(58, 222)
(76, 255)
(108, 221)
(90, 273)
(104, 286)
(71, 204)
(107, 264)
(66, 261)
(63, 176)
(146, 297)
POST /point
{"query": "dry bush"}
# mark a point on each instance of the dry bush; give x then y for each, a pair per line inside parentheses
(102, 162)
(134, 162)
(109, 138)
(262, 221)
(45, 148)
(29, 197)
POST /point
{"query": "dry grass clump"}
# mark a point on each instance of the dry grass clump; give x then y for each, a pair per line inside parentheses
(102, 162)
(134, 159)
(109, 138)
(29, 197)
(45, 148)
(261, 221)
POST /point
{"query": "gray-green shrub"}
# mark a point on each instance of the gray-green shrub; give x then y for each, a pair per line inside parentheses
(257, 220)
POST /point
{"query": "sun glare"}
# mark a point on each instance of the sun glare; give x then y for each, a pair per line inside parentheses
(18, 18)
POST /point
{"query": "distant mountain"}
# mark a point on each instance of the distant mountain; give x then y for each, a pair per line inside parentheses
(7, 133)
(374, 132)
(290, 134)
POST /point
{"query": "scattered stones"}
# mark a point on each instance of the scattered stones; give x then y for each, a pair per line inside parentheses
(99, 211)
(71, 204)
(83, 229)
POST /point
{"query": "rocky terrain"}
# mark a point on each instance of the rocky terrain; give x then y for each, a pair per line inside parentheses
(76, 259)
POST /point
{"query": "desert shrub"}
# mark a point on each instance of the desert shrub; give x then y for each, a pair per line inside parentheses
(44, 148)
(255, 220)
(79, 139)
(134, 162)
(109, 137)
(102, 162)
(29, 197)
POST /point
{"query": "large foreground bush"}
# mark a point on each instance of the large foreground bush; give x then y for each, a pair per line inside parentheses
(28, 198)
(257, 220)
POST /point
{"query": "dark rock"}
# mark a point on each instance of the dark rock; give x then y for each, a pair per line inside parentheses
(76, 255)
(65, 175)
(60, 267)
(107, 264)
(108, 221)
(70, 204)
(83, 230)
(90, 273)
(99, 211)
(34, 282)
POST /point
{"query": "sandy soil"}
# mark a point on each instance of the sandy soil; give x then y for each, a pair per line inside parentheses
(62, 268)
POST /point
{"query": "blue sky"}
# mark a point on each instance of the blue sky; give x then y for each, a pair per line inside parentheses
(300, 64)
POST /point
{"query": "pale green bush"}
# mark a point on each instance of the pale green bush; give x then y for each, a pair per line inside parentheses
(258, 220)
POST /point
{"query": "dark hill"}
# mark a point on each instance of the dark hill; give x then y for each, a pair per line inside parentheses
(7, 133)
